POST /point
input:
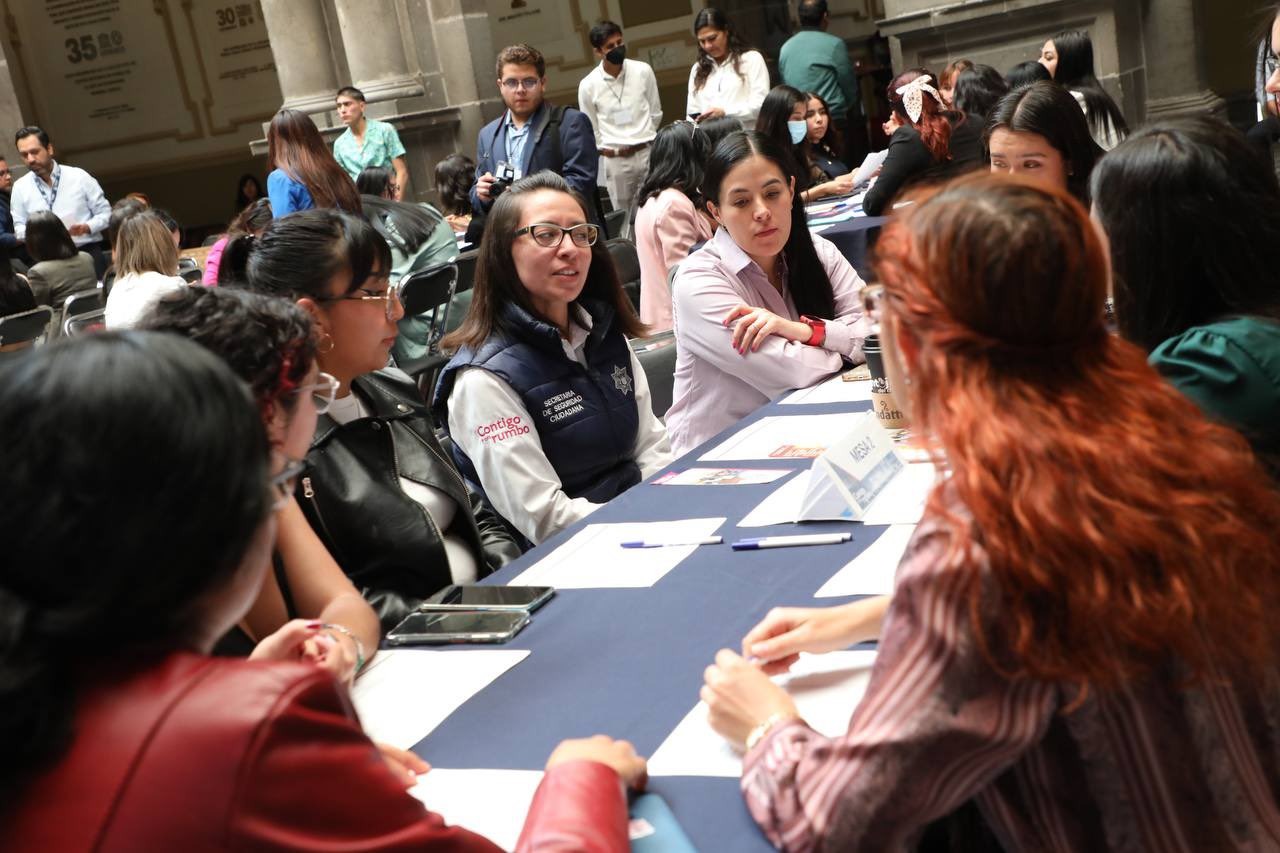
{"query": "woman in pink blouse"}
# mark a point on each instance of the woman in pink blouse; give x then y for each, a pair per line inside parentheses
(763, 307)
(669, 223)
(1082, 636)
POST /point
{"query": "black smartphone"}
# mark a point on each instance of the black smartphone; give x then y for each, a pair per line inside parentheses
(469, 626)
(477, 597)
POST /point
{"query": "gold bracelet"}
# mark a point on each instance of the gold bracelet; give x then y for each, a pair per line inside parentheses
(757, 734)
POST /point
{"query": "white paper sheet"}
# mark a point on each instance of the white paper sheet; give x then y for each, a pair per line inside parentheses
(595, 557)
(834, 390)
(721, 477)
(827, 689)
(793, 437)
(872, 571)
(405, 693)
(870, 163)
(493, 803)
(902, 501)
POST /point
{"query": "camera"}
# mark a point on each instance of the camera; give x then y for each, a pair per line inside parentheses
(503, 176)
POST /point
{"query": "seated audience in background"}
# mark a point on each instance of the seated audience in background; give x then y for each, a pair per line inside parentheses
(764, 306)
(716, 129)
(303, 172)
(947, 80)
(1026, 73)
(15, 298)
(930, 143)
(72, 193)
(418, 238)
(146, 265)
(455, 176)
(824, 141)
(730, 79)
(1068, 56)
(671, 219)
(1038, 133)
(368, 143)
(816, 61)
(548, 408)
(1035, 627)
(59, 269)
(977, 89)
(175, 230)
(8, 240)
(268, 342)
(249, 191)
(1193, 218)
(782, 119)
(114, 710)
(532, 134)
(252, 219)
(374, 464)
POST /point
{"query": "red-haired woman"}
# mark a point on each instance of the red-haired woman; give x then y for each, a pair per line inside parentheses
(931, 141)
(303, 172)
(1082, 634)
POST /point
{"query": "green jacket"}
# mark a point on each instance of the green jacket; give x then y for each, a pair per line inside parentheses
(814, 61)
(1231, 369)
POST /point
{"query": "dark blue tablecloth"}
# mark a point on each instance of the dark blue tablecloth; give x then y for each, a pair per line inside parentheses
(629, 662)
(853, 238)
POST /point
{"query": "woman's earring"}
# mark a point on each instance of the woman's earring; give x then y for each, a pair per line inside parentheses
(325, 345)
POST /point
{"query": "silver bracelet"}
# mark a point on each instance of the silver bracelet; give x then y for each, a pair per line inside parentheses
(343, 629)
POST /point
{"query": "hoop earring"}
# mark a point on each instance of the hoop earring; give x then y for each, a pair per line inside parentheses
(321, 348)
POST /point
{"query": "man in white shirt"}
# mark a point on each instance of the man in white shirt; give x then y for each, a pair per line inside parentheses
(73, 194)
(620, 96)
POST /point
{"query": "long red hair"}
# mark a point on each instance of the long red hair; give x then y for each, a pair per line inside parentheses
(935, 129)
(1120, 524)
(295, 147)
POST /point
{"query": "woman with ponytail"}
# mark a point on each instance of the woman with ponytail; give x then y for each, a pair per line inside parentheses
(131, 545)
(1082, 633)
(931, 142)
(763, 306)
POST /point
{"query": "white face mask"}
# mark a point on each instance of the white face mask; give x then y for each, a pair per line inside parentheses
(798, 130)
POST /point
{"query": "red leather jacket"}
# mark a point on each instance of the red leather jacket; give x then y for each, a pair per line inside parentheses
(199, 753)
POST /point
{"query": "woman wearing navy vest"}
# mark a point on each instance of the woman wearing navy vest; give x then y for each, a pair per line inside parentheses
(547, 407)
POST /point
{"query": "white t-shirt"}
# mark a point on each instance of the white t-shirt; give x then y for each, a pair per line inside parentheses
(439, 505)
(133, 296)
(518, 480)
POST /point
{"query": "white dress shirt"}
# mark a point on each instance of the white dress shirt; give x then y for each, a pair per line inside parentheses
(738, 94)
(78, 199)
(623, 110)
(517, 478)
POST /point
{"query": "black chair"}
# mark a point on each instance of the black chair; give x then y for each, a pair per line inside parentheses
(84, 302)
(83, 324)
(108, 279)
(466, 264)
(627, 262)
(429, 290)
(614, 222)
(191, 275)
(26, 327)
(657, 357)
(186, 263)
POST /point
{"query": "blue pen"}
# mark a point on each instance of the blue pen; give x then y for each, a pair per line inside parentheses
(709, 540)
(790, 541)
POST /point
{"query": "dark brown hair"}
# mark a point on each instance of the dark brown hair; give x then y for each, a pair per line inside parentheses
(497, 282)
(717, 20)
(521, 54)
(48, 239)
(294, 146)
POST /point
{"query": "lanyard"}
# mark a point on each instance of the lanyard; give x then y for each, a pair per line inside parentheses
(621, 90)
(50, 194)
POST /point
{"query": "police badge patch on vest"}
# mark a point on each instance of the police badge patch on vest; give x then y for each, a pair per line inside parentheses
(622, 380)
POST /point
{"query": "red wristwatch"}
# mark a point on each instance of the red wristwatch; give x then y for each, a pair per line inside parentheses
(819, 328)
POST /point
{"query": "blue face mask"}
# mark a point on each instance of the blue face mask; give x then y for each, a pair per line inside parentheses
(797, 129)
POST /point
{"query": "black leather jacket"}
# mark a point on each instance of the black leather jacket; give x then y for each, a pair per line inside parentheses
(385, 541)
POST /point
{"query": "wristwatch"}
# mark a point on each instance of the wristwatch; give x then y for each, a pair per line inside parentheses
(819, 328)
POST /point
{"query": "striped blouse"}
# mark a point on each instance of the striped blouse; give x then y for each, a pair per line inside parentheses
(1149, 766)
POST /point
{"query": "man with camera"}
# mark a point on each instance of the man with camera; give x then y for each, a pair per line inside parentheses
(532, 135)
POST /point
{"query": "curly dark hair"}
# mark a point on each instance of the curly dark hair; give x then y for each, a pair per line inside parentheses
(454, 176)
(266, 340)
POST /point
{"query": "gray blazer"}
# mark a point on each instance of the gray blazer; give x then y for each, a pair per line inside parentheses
(53, 281)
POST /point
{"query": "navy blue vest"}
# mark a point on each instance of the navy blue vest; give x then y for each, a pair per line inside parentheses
(586, 418)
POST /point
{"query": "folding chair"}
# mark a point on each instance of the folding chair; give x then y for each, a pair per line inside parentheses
(83, 324)
(27, 326)
(627, 261)
(428, 290)
(657, 357)
(84, 302)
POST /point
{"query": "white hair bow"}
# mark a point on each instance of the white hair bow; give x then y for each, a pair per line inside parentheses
(913, 96)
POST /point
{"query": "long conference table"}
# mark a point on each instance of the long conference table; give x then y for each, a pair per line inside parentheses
(629, 662)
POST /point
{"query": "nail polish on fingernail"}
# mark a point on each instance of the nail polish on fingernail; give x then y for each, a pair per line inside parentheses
(314, 626)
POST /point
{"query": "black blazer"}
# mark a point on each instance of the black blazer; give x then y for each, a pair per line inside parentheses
(909, 162)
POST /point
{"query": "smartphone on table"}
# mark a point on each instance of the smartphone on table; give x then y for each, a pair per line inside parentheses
(425, 628)
(478, 597)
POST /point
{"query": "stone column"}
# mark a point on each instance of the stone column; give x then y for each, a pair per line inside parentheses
(300, 45)
(1176, 82)
(375, 50)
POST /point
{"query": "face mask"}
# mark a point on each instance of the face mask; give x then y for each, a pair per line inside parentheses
(798, 129)
(616, 55)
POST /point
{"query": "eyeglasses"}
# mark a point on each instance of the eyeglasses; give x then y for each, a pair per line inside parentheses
(324, 390)
(872, 297)
(283, 484)
(4, 173)
(511, 83)
(550, 236)
(389, 296)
